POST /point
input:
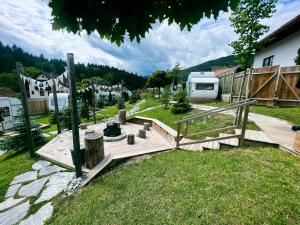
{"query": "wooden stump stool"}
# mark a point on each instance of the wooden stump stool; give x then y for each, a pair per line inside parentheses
(142, 134)
(147, 126)
(296, 145)
(94, 149)
(130, 139)
(122, 116)
(83, 126)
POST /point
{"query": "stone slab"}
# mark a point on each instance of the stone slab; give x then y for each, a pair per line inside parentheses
(10, 202)
(50, 169)
(12, 190)
(33, 188)
(40, 164)
(44, 213)
(57, 183)
(15, 214)
(24, 177)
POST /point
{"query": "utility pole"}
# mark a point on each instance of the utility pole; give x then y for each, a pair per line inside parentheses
(19, 68)
(56, 105)
(74, 114)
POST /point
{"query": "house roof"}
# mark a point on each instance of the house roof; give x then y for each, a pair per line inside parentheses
(7, 93)
(282, 32)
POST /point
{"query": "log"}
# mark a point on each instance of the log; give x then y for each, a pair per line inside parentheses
(142, 134)
(122, 116)
(83, 126)
(147, 126)
(94, 149)
(296, 145)
(130, 139)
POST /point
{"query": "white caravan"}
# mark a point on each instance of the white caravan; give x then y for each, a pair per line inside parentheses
(9, 108)
(62, 100)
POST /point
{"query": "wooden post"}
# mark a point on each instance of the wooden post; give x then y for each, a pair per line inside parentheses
(248, 83)
(178, 136)
(94, 101)
(56, 105)
(244, 126)
(232, 82)
(25, 107)
(74, 113)
(94, 149)
(186, 128)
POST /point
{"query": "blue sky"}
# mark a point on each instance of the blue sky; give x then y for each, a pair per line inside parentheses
(28, 25)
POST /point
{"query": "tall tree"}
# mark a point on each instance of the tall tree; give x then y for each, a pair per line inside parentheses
(247, 22)
(159, 79)
(175, 73)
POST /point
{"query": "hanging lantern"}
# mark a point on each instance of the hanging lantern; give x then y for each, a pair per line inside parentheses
(36, 87)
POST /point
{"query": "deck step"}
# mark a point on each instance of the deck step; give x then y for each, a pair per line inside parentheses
(257, 136)
(211, 144)
(231, 141)
(191, 147)
(94, 172)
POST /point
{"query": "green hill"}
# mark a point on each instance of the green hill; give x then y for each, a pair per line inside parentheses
(206, 66)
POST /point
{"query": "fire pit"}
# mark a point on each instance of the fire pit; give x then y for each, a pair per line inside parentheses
(112, 133)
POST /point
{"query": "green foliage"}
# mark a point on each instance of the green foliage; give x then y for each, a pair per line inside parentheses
(19, 141)
(158, 79)
(84, 111)
(52, 119)
(114, 19)
(135, 96)
(175, 74)
(146, 96)
(297, 59)
(9, 80)
(182, 105)
(166, 97)
(100, 102)
(247, 23)
(66, 118)
(120, 102)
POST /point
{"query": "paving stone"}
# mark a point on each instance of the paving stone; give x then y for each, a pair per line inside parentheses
(57, 183)
(40, 164)
(50, 169)
(12, 190)
(24, 177)
(44, 213)
(10, 202)
(2, 152)
(53, 132)
(33, 188)
(15, 214)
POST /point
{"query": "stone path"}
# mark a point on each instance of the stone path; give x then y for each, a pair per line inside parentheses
(279, 130)
(44, 182)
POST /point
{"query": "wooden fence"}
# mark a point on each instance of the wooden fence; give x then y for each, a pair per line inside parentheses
(37, 106)
(271, 86)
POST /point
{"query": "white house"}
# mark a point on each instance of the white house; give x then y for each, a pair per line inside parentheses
(280, 47)
(202, 86)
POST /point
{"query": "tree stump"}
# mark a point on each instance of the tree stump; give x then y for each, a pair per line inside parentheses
(147, 126)
(296, 145)
(83, 126)
(122, 116)
(94, 149)
(142, 134)
(130, 139)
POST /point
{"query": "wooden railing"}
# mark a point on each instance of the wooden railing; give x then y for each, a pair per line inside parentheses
(240, 111)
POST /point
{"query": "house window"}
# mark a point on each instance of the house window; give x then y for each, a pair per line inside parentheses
(268, 61)
(205, 86)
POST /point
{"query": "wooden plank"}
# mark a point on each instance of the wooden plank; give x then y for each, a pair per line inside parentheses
(211, 144)
(228, 139)
(214, 139)
(263, 85)
(291, 89)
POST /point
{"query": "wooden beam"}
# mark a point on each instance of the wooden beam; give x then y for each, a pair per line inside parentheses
(211, 130)
(178, 135)
(289, 86)
(19, 70)
(244, 126)
(56, 105)
(74, 114)
(208, 140)
(264, 84)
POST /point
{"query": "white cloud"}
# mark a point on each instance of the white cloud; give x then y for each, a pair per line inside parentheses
(28, 25)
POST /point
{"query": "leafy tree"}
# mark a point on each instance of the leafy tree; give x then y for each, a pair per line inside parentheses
(297, 59)
(66, 118)
(120, 102)
(113, 19)
(166, 97)
(158, 79)
(175, 74)
(145, 95)
(247, 23)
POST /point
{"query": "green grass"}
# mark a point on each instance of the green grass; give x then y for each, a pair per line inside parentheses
(167, 117)
(290, 114)
(45, 119)
(241, 186)
(11, 165)
(150, 103)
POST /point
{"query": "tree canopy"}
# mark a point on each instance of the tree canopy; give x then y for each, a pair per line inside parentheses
(113, 19)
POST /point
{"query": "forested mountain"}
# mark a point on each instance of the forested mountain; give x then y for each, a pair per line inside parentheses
(206, 66)
(34, 65)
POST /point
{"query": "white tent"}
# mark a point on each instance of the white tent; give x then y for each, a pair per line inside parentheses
(202, 86)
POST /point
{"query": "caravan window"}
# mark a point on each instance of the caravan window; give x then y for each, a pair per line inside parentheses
(205, 86)
(4, 111)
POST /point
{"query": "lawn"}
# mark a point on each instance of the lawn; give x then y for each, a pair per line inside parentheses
(217, 121)
(241, 186)
(12, 164)
(150, 103)
(290, 114)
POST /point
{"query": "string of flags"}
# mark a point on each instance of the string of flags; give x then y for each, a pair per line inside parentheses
(46, 85)
(113, 88)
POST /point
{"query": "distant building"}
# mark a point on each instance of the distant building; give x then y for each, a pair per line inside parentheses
(280, 47)
(219, 69)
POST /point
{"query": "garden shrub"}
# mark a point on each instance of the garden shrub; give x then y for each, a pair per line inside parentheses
(84, 111)
(135, 96)
(182, 105)
(100, 102)
(121, 104)
(66, 118)
(166, 97)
